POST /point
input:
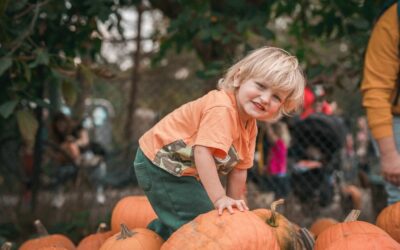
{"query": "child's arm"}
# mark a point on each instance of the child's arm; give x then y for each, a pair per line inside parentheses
(236, 183)
(270, 133)
(209, 177)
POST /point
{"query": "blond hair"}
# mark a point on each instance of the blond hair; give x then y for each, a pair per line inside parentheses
(280, 70)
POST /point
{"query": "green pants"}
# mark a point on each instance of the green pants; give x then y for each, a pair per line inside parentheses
(176, 200)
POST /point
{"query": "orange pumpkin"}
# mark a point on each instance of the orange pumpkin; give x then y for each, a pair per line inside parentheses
(287, 233)
(46, 240)
(94, 241)
(52, 248)
(241, 230)
(138, 239)
(352, 234)
(363, 242)
(133, 211)
(321, 224)
(389, 220)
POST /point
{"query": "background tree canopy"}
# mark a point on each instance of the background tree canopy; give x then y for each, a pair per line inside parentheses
(41, 41)
(50, 51)
(311, 30)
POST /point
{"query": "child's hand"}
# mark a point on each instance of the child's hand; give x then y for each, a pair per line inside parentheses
(228, 203)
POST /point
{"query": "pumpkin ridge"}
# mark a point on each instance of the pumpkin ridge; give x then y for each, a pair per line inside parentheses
(252, 223)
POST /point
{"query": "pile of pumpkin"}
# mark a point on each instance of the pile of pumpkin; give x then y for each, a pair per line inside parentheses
(256, 229)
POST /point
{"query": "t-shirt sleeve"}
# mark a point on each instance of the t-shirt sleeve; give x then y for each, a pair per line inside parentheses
(248, 161)
(216, 130)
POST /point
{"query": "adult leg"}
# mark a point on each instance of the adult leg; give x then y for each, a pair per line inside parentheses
(393, 191)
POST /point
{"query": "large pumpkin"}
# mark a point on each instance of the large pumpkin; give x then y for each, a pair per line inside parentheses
(321, 224)
(46, 240)
(287, 233)
(133, 211)
(389, 220)
(240, 230)
(51, 248)
(137, 239)
(94, 241)
(354, 235)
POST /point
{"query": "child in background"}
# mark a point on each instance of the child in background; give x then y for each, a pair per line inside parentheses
(179, 159)
(276, 171)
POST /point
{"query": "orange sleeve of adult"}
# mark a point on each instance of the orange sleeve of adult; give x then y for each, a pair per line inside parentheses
(381, 68)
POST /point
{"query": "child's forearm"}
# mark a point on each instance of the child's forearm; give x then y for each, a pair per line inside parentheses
(236, 183)
(208, 174)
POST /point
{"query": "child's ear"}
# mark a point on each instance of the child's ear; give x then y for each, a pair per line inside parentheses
(236, 78)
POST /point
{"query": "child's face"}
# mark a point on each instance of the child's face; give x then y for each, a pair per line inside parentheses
(256, 100)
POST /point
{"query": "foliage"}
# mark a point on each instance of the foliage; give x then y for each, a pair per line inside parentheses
(310, 29)
(40, 43)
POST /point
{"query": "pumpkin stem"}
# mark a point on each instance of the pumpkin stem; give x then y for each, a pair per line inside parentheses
(353, 215)
(102, 228)
(42, 231)
(6, 246)
(272, 220)
(125, 233)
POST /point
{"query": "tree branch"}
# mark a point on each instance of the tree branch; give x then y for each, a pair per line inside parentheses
(27, 33)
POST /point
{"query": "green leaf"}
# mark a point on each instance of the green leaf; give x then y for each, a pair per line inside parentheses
(6, 109)
(27, 124)
(42, 57)
(5, 63)
(69, 92)
(267, 33)
(17, 5)
(3, 6)
(87, 74)
(27, 72)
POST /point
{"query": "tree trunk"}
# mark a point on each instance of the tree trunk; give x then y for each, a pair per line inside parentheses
(134, 78)
(38, 147)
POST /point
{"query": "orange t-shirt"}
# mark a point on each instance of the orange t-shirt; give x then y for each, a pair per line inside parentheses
(211, 121)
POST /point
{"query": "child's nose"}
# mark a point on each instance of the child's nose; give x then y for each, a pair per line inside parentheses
(266, 97)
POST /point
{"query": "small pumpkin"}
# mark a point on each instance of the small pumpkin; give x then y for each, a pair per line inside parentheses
(354, 235)
(389, 220)
(133, 211)
(287, 233)
(47, 240)
(240, 230)
(321, 224)
(94, 241)
(363, 242)
(138, 239)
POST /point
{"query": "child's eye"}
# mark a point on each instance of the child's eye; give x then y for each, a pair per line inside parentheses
(259, 85)
(277, 97)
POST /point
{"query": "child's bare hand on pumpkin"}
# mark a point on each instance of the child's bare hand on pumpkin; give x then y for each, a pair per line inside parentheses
(228, 203)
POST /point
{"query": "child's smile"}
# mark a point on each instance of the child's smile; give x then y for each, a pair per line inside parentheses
(256, 100)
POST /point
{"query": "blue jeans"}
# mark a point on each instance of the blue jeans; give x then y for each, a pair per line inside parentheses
(392, 190)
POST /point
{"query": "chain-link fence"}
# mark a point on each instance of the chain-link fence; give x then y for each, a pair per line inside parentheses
(330, 165)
